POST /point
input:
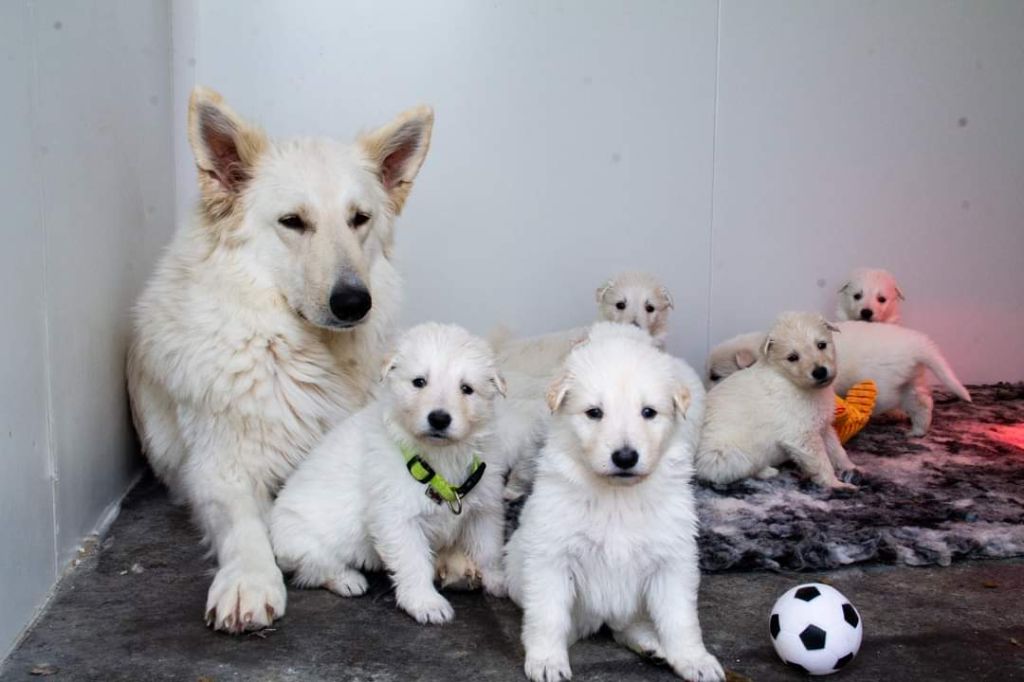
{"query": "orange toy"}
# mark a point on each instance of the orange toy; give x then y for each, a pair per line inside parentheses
(854, 411)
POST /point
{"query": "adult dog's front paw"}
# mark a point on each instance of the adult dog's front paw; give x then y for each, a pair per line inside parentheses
(244, 598)
(698, 667)
(456, 570)
(549, 667)
(428, 608)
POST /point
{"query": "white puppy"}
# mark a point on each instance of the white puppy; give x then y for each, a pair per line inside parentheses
(895, 358)
(639, 299)
(732, 355)
(779, 409)
(364, 498)
(870, 294)
(634, 298)
(609, 534)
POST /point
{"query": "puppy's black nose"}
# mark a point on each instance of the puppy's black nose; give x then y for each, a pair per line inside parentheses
(866, 313)
(350, 303)
(439, 420)
(820, 373)
(625, 458)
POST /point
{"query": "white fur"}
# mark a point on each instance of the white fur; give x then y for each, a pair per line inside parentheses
(895, 358)
(776, 411)
(645, 303)
(732, 355)
(871, 295)
(593, 549)
(238, 366)
(353, 504)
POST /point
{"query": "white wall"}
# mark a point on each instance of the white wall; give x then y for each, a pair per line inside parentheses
(577, 138)
(86, 181)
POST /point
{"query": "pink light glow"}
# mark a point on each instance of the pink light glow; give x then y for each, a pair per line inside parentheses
(1009, 434)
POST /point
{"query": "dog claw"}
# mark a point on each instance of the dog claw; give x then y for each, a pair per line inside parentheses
(271, 613)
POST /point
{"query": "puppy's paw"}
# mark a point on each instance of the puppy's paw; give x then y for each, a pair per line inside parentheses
(495, 583)
(841, 487)
(698, 667)
(428, 608)
(551, 667)
(457, 571)
(245, 598)
(347, 582)
(767, 472)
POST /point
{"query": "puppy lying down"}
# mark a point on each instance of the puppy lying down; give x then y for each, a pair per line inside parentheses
(365, 498)
(779, 409)
(609, 534)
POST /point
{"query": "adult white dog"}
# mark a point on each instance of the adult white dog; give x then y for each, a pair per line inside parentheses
(779, 409)
(609, 534)
(403, 479)
(871, 295)
(264, 325)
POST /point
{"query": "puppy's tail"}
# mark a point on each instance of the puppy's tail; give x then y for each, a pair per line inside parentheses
(932, 358)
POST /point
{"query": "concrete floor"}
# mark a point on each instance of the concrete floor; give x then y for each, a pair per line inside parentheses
(132, 611)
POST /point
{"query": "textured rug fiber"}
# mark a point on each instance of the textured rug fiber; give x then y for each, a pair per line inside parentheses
(956, 493)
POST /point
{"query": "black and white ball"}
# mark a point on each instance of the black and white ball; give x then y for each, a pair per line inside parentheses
(815, 628)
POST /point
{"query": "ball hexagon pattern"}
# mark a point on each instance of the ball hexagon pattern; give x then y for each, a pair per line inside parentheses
(815, 628)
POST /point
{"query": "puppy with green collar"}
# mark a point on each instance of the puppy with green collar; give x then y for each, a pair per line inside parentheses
(402, 480)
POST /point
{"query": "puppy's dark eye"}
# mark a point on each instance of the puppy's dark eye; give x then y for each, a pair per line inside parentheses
(793, 357)
(648, 413)
(881, 299)
(649, 308)
(621, 305)
(292, 222)
(467, 389)
(822, 345)
(594, 413)
(714, 377)
(419, 382)
(358, 220)
(857, 297)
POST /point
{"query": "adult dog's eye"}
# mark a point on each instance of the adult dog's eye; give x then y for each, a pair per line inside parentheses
(822, 345)
(649, 308)
(621, 305)
(793, 357)
(358, 220)
(467, 389)
(419, 382)
(594, 413)
(714, 377)
(881, 299)
(292, 222)
(857, 297)
(648, 413)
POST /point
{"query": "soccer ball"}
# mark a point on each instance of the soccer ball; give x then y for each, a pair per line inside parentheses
(815, 628)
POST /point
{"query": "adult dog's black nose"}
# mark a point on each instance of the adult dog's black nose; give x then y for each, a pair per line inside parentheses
(350, 303)
(439, 420)
(625, 458)
(820, 373)
(866, 313)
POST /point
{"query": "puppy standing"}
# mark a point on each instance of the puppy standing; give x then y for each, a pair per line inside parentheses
(264, 324)
(609, 534)
(364, 498)
(871, 295)
(779, 409)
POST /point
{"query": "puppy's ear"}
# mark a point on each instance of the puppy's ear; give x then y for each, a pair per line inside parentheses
(557, 391)
(603, 290)
(664, 293)
(500, 385)
(744, 358)
(681, 399)
(767, 345)
(842, 289)
(899, 294)
(226, 150)
(398, 149)
(829, 326)
(389, 366)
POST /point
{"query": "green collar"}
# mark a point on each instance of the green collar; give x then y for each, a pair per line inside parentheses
(439, 489)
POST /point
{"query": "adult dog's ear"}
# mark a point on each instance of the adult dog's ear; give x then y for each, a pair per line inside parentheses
(226, 149)
(557, 392)
(744, 358)
(397, 151)
(681, 400)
